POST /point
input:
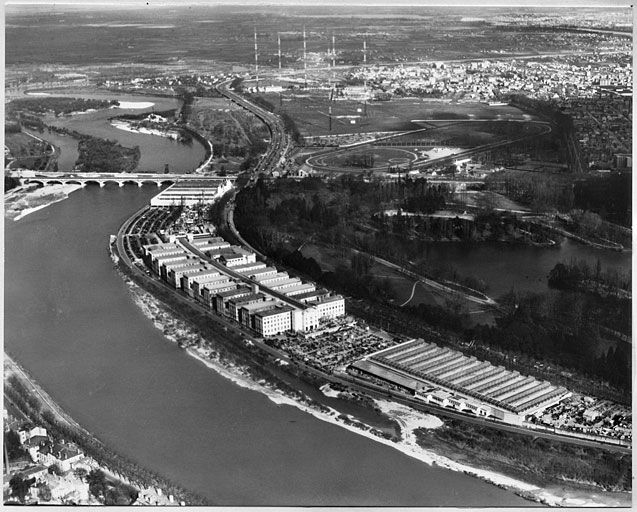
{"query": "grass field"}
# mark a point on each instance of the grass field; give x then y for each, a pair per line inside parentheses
(377, 157)
(310, 111)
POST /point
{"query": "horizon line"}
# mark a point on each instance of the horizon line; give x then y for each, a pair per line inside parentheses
(299, 3)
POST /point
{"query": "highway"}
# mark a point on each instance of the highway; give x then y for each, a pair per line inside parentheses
(280, 142)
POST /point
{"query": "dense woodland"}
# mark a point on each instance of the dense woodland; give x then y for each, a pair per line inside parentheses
(62, 105)
(102, 155)
(567, 328)
(579, 275)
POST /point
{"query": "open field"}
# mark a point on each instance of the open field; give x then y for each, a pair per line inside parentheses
(310, 112)
(224, 33)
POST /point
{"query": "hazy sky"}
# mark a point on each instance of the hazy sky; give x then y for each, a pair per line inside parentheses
(158, 3)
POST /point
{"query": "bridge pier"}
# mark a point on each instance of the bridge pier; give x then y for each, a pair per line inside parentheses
(121, 184)
(102, 184)
(139, 183)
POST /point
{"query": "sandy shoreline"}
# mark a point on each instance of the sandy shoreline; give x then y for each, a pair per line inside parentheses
(21, 202)
(409, 419)
(123, 125)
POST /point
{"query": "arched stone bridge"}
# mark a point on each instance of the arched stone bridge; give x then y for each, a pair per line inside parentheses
(62, 178)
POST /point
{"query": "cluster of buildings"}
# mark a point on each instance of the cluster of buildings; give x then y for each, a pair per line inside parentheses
(591, 416)
(604, 125)
(57, 469)
(596, 92)
(230, 281)
(45, 453)
(447, 378)
(487, 80)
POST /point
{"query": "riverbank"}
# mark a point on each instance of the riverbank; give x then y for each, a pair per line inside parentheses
(22, 201)
(127, 126)
(410, 420)
(43, 410)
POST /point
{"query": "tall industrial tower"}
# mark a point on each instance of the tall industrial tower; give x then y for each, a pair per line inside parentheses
(364, 51)
(333, 50)
(256, 57)
(279, 39)
(304, 58)
(365, 64)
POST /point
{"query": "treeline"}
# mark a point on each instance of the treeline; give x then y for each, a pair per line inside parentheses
(30, 405)
(288, 123)
(564, 328)
(340, 214)
(188, 98)
(547, 460)
(563, 127)
(486, 226)
(556, 328)
(541, 191)
(57, 105)
(608, 196)
(579, 275)
(102, 155)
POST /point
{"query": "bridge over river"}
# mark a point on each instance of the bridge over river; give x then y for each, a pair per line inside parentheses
(68, 178)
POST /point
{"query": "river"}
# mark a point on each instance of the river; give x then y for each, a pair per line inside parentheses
(155, 151)
(71, 321)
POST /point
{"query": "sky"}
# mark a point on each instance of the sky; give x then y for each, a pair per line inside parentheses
(314, 3)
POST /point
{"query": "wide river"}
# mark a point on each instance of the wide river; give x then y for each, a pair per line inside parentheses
(155, 152)
(71, 321)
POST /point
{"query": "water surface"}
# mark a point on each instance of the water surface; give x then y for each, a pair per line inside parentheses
(70, 320)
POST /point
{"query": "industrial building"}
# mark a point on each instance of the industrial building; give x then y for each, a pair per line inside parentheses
(231, 282)
(192, 192)
(448, 378)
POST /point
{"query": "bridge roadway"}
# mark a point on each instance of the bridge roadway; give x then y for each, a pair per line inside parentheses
(101, 179)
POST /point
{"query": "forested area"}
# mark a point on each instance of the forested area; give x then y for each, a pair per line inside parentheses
(61, 105)
(565, 328)
(558, 327)
(102, 155)
(579, 275)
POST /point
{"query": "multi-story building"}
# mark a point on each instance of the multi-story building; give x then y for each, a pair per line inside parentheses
(274, 321)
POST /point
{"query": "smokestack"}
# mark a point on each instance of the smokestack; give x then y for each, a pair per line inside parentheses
(333, 51)
(256, 57)
(365, 59)
(304, 58)
(330, 112)
(279, 37)
(364, 51)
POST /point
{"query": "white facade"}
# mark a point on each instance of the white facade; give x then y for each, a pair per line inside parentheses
(182, 194)
(273, 322)
(331, 307)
